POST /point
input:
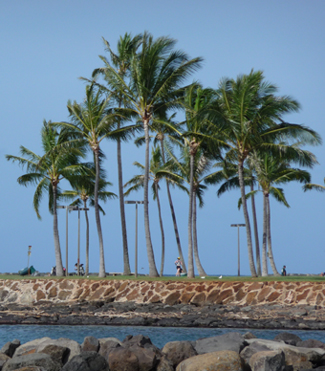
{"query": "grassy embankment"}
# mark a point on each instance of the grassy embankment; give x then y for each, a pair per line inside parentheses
(185, 279)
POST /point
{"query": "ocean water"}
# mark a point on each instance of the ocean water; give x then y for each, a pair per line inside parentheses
(159, 335)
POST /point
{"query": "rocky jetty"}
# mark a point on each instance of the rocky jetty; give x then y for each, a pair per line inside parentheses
(231, 351)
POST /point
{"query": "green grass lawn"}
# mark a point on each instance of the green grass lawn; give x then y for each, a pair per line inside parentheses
(185, 279)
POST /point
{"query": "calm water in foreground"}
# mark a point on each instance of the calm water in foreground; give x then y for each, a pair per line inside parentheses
(158, 335)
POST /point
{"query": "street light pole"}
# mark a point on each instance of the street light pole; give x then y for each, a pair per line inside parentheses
(66, 233)
(238, 225)
(136, 234)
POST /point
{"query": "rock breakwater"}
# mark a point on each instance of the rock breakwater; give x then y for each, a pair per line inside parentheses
(231, 351)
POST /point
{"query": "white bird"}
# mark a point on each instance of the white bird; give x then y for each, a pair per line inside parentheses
(220, 277)
(203, 278)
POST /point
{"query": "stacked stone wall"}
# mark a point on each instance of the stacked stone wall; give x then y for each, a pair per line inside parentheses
(30, 291)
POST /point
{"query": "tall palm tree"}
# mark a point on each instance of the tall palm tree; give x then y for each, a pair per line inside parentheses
(126, 47)
(252, 117)
(156, 165)
(196, 102)
(82, 193)
(61, 160)
(181, 170)
(157, 75)
(91, 122)
(166, 130)
(271, 172)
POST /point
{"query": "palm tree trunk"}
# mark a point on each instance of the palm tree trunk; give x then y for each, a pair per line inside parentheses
(151, 258)
(264, 253)
(195, 244)
(248, 226)
(162, 233)
(270, 252)
(190, 272)
(102, 272)
(178, 240)
(57, 248)
(257, 244)
(87, 239)
(126, 261)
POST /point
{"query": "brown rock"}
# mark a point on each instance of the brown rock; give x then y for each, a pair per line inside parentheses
(216, 361)
(53, 292)
(223, 295)
(40, 295)
(199, 299)
(172, 298)
(64, 295)
(273, 296)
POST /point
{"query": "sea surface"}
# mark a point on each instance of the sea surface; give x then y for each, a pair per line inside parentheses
(159, 335)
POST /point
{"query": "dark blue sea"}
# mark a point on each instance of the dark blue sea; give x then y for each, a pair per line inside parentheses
(159, 335)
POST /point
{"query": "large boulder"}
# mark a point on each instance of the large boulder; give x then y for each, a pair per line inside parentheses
(10, 347)
(217, 361)
(268, 361)
(123, 359)
(87, 361)
(297, 357)
(231, 341)
(73, 346)
(178, 351)
(57, 353)
(106, 345)
(288, 338)
(90, 344)
(29, 347)
(311, 343)
(44, 361)
(3, 359)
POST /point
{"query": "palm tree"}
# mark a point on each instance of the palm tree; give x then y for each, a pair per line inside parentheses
(61, 160)
(157, 74)
(126, 47)
(137, 181)
(92, 121)
(166, 129)
(181, 170)
(196, 102)
(252, 117)
(82, 193)
(271, 172)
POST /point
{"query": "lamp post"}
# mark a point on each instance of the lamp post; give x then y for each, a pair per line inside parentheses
(28, 253)
(238, 225)
(67, 208)
(136, 233)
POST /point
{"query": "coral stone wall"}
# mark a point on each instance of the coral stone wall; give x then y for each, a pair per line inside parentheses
(170, 292)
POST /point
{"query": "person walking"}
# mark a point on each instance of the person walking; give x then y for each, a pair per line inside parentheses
(179, 268)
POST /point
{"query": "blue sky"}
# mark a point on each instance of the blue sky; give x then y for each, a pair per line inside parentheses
(47, 45)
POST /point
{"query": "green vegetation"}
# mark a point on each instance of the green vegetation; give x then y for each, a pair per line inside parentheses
(237, 127)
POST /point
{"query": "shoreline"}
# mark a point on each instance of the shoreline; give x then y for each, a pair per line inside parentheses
(270, 317)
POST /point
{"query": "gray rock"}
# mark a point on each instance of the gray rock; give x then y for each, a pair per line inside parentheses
(288, 338)
(90, 344)
(29, 347)
(10, 347)
(165, 365)
(298, 357)
(3, 359)
(73, 346)
(231, 341)
(57, 353)
(311, 343)
(107, 345)
(43, 361)
(250, 350)
(87, 361)
(268, 361)
(178, 351)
